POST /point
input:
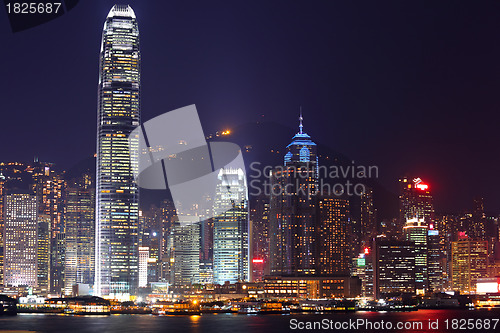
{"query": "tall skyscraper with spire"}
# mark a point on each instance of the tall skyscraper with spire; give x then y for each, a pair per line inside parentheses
(292, 209)
(117, 195)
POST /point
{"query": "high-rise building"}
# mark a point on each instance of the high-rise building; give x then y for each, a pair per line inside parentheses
(231, 227)
(435, 260)
(185, 252)
(415, 231)
(2, 193)
(477, 230)
(364, 271)
(57, 263)
(117, 196)
(415, 200)
(394, 267)
(259, 217)
(49, 187)
(292, 222)
(469, 263)
(168, 216)
(150, 236)
(368, 218)
(143, 266)
(80, 233)
(332, 236)
(20, 239)
(43, 252)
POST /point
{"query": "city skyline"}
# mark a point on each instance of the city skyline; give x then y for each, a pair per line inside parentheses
(343, 95)
(85, 233)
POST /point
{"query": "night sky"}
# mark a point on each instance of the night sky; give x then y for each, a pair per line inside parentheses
(410, 86)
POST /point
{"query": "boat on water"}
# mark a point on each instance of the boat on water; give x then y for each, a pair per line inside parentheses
(176, 308)
(273, 308)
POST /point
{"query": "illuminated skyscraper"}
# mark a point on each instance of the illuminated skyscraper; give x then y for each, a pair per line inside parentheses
(20, 239)
(80, 232)
(168, 216)
(436, 262)
(231, 250)
(292, 230)
(43, 252)
(143, 266)
(150, 236)
(368, 218)
(184, 250)
(49, 187)
(415, 200)
(117, 197)
(469, 262)
(415, 231)
(478, 227)
(394, 267)
(333, 248)
(2, 193)
(259, 217)
(363, 269)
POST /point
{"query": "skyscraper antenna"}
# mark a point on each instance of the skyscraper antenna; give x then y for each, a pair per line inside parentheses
(300, 121)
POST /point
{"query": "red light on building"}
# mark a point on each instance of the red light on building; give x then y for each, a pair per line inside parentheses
(257, 261)
(367, 250)
(422, 186)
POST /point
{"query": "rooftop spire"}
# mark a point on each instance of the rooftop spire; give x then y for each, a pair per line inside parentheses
(300, 121)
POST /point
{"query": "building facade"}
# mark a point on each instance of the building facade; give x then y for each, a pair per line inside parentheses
(469, 263)
(117, 196)
(292, 221)
(231, 228)
(415, 231)
(20, 239)
(393, 267)
(415, 200)
(80, 232)
(185, 252)
(332, 236)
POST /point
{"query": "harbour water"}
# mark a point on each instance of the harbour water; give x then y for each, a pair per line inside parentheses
(414, 321)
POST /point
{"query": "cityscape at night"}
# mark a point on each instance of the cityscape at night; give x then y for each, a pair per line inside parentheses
(271, 166)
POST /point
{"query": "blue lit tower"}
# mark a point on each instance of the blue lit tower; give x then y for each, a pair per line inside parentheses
(117, 195)
(292, 209)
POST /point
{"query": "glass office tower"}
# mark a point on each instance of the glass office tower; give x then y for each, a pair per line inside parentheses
(231, 227)
(117, 195)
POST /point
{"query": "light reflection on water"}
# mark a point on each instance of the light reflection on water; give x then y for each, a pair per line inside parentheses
(234, 323)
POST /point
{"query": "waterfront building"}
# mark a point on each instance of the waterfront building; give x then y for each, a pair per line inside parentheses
(231, 228)
(117, 194)
(20, 239)
(292, 222)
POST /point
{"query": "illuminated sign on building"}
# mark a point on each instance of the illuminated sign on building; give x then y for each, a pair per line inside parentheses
(488, 285)
(422, 187)
(433, 233)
